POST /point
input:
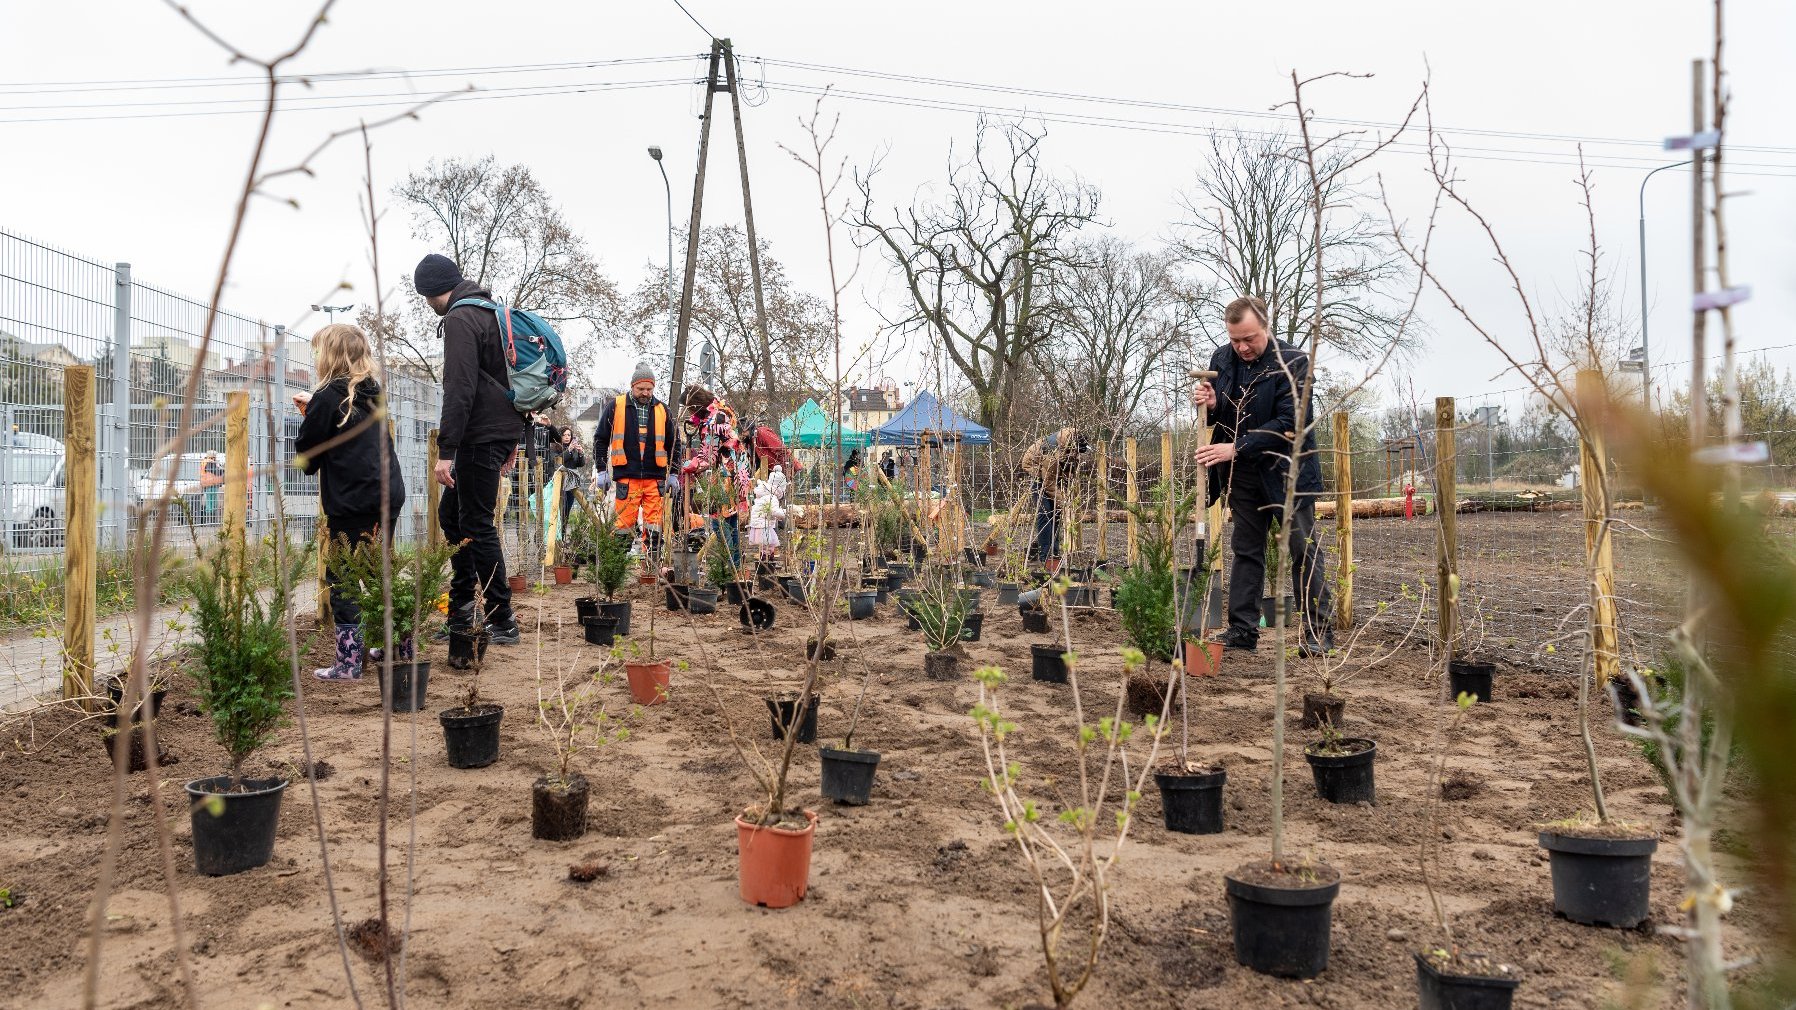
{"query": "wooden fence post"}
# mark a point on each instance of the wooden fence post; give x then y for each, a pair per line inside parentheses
(433, 493)
(1446, 501)
(1166, 472)
(553, 508)
(1102, 498)
(1598, 545)
(236, 481)
(1133, 495)
(80, 510)
(1344, 519)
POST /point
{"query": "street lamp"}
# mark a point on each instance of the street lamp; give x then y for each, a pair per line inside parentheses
(332, 310)
(655, 153)
(1645, 349)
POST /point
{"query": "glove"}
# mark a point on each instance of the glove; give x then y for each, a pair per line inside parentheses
(603, 480)
(673, 483)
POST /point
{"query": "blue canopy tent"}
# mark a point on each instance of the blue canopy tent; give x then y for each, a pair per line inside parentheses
(929, 418)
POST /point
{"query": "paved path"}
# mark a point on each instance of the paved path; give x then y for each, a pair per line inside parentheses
(31, 665)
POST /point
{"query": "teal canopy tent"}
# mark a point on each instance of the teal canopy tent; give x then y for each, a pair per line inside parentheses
(810, 427)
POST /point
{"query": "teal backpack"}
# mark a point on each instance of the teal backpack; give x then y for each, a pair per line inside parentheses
(534, 358)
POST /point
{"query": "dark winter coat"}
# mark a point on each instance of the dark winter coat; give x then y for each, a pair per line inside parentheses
(348, 472)
(476, 383)
(1256, 408)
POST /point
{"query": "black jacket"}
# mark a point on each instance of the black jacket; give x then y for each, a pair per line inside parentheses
(348, 472)
(1256, 408)
(476, 383)
(635, 436)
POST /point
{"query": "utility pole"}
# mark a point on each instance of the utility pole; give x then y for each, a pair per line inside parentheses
(1699, 394)
(720, 77)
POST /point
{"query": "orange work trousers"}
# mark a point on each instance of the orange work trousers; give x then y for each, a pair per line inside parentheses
(642, 497)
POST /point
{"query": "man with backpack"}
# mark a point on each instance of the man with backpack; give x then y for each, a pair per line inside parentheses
(476, 436)
(643, 438)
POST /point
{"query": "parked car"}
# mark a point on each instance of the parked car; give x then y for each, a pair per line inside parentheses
(33, 507)
(185, 486)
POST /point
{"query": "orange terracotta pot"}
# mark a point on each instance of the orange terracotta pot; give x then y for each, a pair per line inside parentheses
(1203, 659)
(649, 681)
(774, 865)
(564, 575)
(518, 583)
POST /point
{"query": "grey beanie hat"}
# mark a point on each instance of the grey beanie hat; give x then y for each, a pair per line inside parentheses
(643, 371)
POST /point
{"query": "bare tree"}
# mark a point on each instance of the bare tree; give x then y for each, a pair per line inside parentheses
(500, 226)
(723, 314)
(981, 265)
(1249, 226)
(1124, 311)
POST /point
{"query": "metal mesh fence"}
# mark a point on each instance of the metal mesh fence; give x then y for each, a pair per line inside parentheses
(59, 309)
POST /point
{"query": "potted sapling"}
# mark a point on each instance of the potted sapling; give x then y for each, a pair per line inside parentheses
(471, 729)
(574, 714)
(1269, 603)
(1468, 672)
(1336, 667)
(940, 611)
(1191, 791)
(603, 619)
(240, 664)
(1147, 597)
(416, 576)
(1447, 977)
(847, 772)
(720, 571)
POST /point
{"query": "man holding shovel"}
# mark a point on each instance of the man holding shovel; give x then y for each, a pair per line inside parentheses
(1252, 400)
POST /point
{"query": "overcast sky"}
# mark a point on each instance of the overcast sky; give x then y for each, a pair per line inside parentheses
(151, 183)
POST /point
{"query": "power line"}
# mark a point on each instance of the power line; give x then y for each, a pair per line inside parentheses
(172, 83)
(300, 101)
(688, 13)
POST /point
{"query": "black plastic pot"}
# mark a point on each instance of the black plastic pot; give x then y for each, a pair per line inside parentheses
(736, 592)
(559, 815)
(875, 584)
(410, 682)
(848, 774)
(1283, 931)
(1269, 615)
(972, 598)
(897, 575)
(471, 735)
(600, 630)
(793, 587)
(586, 606)
(1441, 991)
(756, 614)
(911, 621)
(1082, 596)
(466, 648)
(1467, 677)
(675, 595)
(701, 600)
(1048, 662)
(780, 710)
(766, 577)
(1035, 619)
(1007, 594)
(971, 626)
(115, 690)
(982, 578)
(861, 605)
(1601, 881)
(136, 739)
(1345, 778)
(941, 666)
(235, 832)
(1322, 710)
(1192, 803)
(619, 610)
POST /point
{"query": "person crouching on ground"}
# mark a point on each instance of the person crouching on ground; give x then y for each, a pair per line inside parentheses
(341, 439)
(764, 522)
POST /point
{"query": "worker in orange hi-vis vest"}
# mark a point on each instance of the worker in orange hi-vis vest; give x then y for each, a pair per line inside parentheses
(643, 439)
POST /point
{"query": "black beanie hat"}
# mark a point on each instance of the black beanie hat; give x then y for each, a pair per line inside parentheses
(436, 274)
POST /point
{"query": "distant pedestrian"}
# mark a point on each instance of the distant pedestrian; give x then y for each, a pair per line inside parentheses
(211, 478)
(643, 439)
(340, 439)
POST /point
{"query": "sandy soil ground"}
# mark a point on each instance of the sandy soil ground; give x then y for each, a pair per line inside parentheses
(917, 900)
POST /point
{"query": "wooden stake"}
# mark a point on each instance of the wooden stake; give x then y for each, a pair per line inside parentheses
(80, 509)
(1598, 545)
(1103, 502)
(1166, 471)
(433, 494)
(553, 507)
(1446, 500)
(324, 582)
(236, 481)
(1133, 496)
(1344, 519)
